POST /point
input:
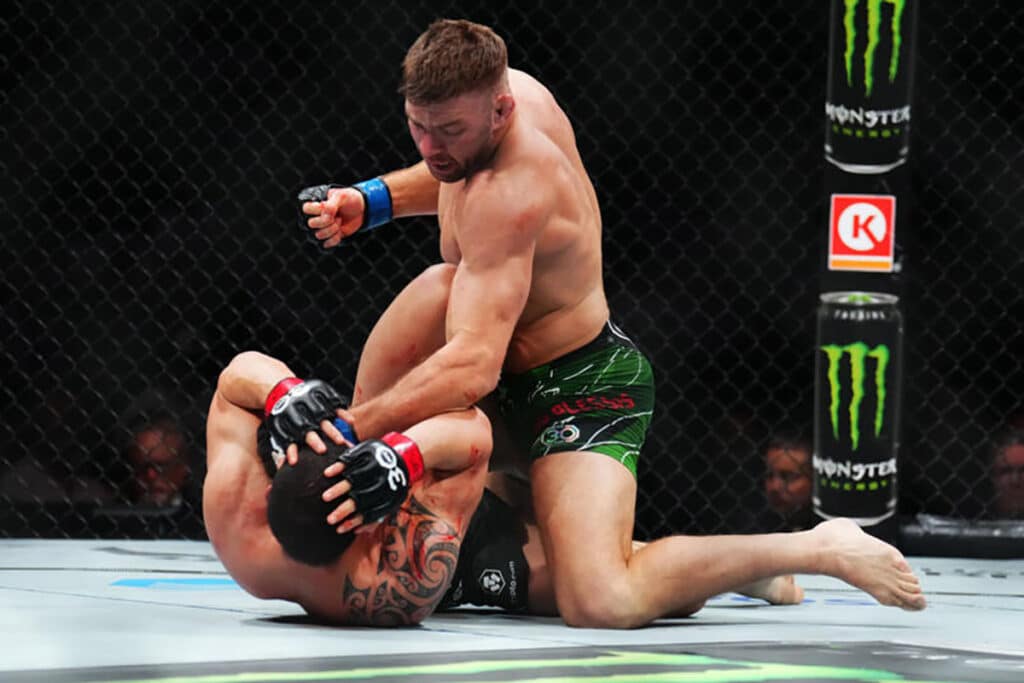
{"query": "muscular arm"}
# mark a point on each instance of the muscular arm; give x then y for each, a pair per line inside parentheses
(413, 191)
(338, 212)
(497, 236)
(234, 490)
(249, 377)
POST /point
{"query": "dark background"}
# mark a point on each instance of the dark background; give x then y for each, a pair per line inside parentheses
(151, 152)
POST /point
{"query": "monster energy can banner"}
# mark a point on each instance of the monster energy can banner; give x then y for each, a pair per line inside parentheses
(867, 108)
(856, 411)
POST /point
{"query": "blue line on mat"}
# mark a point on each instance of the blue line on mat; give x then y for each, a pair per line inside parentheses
(176, 584)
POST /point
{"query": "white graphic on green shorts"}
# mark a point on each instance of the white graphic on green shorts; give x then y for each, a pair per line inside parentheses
(631, 447)
(599, 402)
(579, 372)
(590, 388)
(560, 432)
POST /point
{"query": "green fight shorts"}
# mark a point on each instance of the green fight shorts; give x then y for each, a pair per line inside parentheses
(598, 398)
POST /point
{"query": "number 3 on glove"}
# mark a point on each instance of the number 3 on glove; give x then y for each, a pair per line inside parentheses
(381, 473)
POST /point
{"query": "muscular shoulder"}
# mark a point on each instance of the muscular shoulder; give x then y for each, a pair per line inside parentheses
(529, 91)
(510, 201)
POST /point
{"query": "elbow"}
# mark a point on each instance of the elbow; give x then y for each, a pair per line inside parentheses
(249, 367)
(240, 366)
(480, 372)
(485, 381)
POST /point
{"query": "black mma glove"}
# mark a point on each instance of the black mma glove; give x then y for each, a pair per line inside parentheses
(377, 205)
(313, 193)
(295, 407)
(381, 473)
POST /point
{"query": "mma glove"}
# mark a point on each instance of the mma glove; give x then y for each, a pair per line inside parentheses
(295, 407)
(313, 193)
(377, 207)
(381, 472)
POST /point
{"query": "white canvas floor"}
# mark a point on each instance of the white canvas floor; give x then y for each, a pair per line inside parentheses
(166, 610)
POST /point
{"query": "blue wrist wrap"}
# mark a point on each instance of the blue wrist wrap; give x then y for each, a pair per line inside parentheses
(346, 430)
(378, 203)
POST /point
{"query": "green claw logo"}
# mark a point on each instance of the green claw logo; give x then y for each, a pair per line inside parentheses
(874, 10)
(858, 353)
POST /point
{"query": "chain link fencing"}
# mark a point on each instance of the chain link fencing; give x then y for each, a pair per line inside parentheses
(151, 152)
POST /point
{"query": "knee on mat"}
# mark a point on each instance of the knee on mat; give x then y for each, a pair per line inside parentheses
(605, 608)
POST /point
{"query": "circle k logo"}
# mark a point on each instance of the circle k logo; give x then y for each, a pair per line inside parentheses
(861, 232)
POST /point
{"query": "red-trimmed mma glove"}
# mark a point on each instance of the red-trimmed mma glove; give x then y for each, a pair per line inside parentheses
(295, 407)
(381, 472)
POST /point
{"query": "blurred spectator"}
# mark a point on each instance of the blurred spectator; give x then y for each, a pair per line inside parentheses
(158, 458)
(787, 480)
(783, 502)
(1008, 474)
(157, 480)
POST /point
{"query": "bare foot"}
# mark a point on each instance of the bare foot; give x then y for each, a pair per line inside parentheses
(868, 563)
(778, 590)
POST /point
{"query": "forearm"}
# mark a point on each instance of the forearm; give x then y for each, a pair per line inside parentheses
(413, 191)
(453, 378)
(249, 377)
(453, 441)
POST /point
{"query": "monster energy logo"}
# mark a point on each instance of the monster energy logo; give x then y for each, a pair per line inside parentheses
(874, 9)
(858, 353)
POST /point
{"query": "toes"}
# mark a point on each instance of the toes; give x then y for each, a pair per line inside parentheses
(899, 562)
(908, 598)
(889, 599)
(914, 603)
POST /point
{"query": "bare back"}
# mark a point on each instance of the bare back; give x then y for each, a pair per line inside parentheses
(566, 306)
(395, 575)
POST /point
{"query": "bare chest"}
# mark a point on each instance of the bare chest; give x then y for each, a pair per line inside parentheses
(449, 209)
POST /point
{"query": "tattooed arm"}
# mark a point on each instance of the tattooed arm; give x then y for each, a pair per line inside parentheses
(417, 563)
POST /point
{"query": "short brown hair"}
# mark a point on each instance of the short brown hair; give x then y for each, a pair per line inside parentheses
(452, 57)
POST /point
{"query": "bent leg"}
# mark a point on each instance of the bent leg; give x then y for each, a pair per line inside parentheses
(410, 329)
(587, 536)
(541, 601)
(599, 582)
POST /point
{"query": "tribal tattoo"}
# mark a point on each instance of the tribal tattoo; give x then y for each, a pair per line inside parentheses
(416, 566)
